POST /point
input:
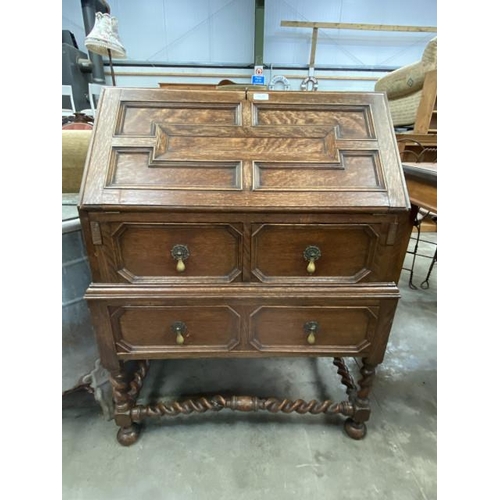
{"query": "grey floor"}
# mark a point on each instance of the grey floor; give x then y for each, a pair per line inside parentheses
(251, 456)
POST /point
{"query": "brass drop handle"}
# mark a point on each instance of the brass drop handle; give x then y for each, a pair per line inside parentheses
(179, 330)
(180, 253)
(311, 328)
(311, 267)
(311, 255)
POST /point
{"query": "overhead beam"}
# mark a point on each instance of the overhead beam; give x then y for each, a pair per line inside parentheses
(357, 26)
(258, 48)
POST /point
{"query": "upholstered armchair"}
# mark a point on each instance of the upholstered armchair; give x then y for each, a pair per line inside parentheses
(405, 87)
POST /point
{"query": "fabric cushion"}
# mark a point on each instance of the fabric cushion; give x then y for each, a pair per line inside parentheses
(75, 144)
(409, 79)
(404, 110)
(403, 81)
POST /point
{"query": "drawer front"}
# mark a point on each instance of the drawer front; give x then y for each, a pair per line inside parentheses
(342, 253)
(166, 253)
(175, 329)
(242, 321)
(346, 328)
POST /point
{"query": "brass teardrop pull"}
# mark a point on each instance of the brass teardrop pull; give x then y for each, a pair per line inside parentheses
(311, 267)
(311, 254)
(179, 329)
(180, 267)
(311, 328)
(180, 253)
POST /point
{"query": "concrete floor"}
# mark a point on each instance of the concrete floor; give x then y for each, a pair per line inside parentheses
(228, 456)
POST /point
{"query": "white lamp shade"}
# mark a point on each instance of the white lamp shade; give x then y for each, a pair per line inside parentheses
(104, 37)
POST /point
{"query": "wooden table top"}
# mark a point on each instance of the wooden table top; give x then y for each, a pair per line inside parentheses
(421, 181)
(423, 171)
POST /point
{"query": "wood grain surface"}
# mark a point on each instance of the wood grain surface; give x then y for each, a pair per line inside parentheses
(199, 211)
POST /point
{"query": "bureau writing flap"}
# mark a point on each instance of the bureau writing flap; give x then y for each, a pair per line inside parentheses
(215, 150)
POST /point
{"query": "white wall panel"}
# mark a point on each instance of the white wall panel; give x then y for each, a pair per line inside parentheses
(170, 31)
(221, 31)
(415, 12)
(198, 32)
(347, 47)
(232, 32)
(141, 26)
(187, 32)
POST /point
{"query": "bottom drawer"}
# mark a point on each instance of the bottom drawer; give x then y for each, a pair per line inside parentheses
(244, 321)
(278, 328)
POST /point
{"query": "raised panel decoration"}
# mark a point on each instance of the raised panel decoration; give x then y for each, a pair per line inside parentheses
(246, 143)
(127, 165)
(353, 172)
(153, 148)
(351, 122)
(347, 252)
(140, 119)
(143, 252)
(344, 328)
(228, 149)
(152, 328)
(347, 159)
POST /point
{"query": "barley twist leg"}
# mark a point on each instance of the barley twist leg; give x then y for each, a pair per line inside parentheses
(125, 392)
(355, 426)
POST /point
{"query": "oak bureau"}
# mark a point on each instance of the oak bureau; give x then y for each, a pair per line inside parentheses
(242, 224)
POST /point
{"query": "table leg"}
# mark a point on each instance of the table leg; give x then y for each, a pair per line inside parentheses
(355, 426)
(125, 392)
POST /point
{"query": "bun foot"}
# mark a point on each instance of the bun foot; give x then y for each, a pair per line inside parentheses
(355, 430)
(128, 435)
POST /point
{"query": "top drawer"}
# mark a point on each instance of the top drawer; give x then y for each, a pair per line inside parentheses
(157, 248)
(157, 252)
(342, 253)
